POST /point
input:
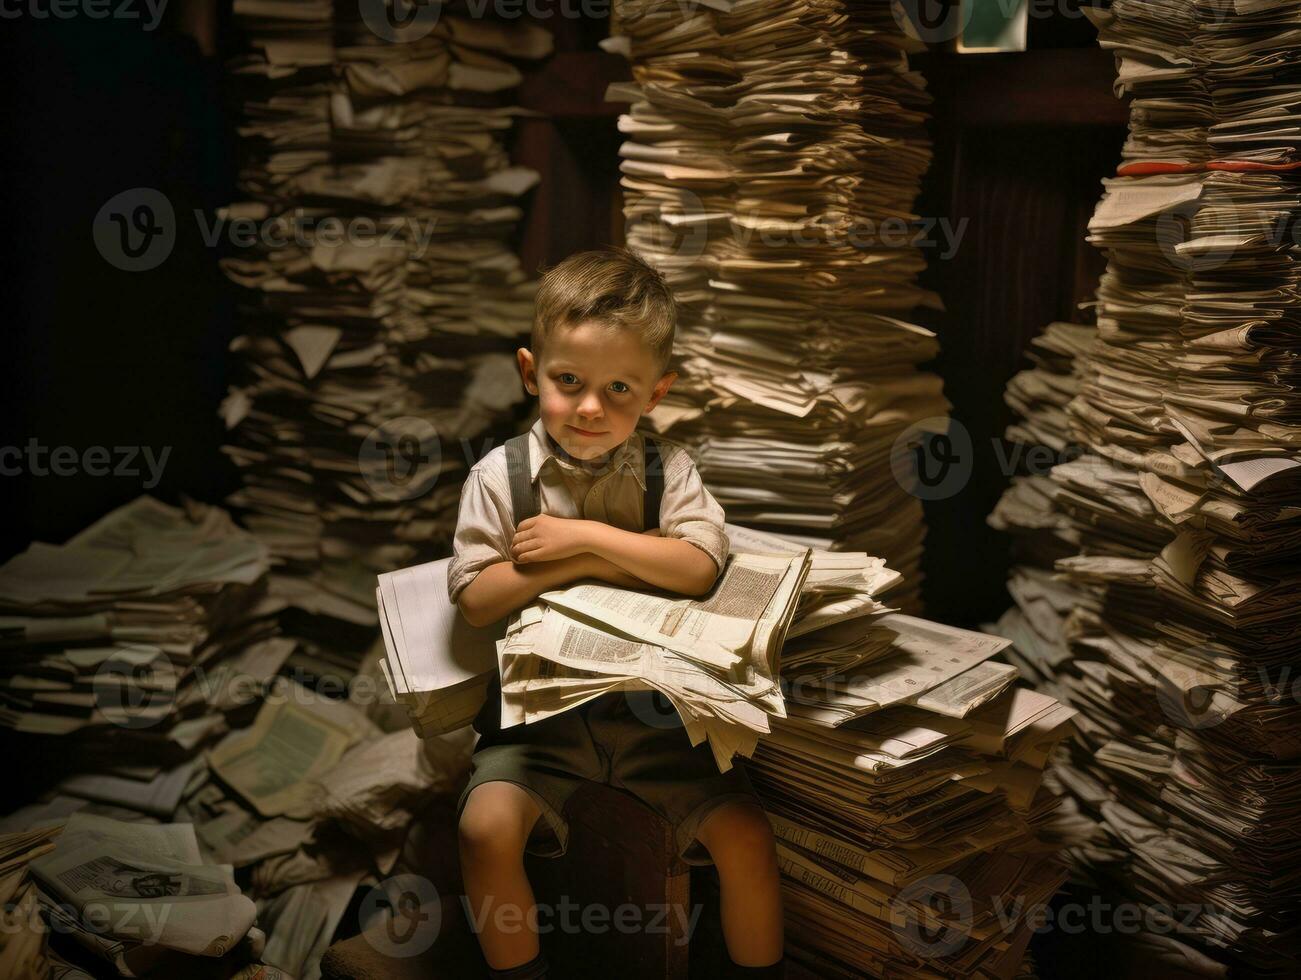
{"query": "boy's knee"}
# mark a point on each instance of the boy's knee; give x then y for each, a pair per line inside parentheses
(740, 829)
(494, 824)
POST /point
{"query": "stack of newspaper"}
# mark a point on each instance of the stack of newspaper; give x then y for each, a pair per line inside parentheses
(381, 297)
(772, 181)
(906, 796)
(128, 631)
(716, 659)
(172, 769)
(1179, 597)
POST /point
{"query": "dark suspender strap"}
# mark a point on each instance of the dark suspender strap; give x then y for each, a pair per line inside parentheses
(523, 496)
(653, 466)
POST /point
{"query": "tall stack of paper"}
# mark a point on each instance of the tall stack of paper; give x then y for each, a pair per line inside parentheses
(382, 300)
(772, 159)
(1041, 532)
(1181, 597)
(905, 793)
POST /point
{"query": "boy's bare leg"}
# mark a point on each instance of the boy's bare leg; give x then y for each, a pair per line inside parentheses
(494, 827)
(739, 838)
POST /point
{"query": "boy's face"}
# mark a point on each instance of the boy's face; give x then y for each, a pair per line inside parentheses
(593, 384)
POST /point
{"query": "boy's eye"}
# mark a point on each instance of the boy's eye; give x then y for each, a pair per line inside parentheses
(622, 387)
(568, 379)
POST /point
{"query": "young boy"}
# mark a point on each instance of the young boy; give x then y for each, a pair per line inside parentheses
(600, 346)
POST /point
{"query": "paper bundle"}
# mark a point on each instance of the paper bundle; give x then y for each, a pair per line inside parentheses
(772, 159)
(1170, 621)
(148, 887)
(126, 636)
(715, 659)
(905, 792)
(382, 308)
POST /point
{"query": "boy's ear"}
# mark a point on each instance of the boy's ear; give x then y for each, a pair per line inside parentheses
(528, 371)
(662, 387)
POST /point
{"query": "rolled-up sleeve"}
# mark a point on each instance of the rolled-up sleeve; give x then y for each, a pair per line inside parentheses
(689, 511)
(483, 531)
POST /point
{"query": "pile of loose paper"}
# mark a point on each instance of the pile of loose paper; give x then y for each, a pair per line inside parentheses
(212, 807)
(125, 637)
(23, 951)
(381, 297)
(1171, 622)
(905, 791)
(714, 658)
(773, 155)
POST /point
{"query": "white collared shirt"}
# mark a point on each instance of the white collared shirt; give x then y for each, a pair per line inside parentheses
(615, 495)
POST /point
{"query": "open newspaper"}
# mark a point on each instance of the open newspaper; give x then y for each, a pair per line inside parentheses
(715, 659)
(149, 887)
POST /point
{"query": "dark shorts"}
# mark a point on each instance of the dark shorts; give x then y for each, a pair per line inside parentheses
(644, 751)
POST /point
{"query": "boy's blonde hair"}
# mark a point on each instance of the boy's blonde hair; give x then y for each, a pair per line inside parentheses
(612, 286)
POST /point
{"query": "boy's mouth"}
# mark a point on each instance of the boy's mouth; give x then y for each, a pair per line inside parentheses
(585, 432)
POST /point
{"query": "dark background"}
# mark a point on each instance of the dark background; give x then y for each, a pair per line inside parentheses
(94, 356)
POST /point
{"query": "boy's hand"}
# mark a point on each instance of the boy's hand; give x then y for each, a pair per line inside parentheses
(546, 538)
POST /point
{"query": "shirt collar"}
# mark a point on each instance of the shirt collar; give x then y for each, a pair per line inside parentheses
(542, 448)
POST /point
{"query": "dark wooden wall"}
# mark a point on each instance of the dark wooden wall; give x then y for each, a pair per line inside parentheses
(1022, 142)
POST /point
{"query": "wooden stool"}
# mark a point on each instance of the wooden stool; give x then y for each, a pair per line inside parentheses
(620, 854)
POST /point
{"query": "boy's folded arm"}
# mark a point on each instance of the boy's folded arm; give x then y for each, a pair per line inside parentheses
(501, 588)
(674, 564)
